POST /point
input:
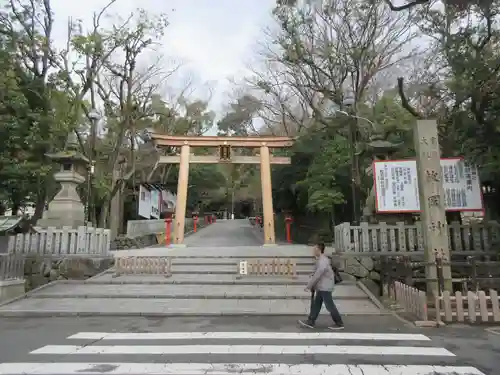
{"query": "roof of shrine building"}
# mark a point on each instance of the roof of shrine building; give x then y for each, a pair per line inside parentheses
(10, 223)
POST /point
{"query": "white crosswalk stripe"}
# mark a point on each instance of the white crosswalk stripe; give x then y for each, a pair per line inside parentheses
(229, 353)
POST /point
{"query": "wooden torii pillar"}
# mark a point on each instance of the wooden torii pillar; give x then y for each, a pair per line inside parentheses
(185, 157)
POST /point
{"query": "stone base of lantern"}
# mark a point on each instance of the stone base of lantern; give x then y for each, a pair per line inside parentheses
(66, 209)
(67, 213)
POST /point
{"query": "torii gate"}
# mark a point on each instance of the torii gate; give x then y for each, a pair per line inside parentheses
(265, 159)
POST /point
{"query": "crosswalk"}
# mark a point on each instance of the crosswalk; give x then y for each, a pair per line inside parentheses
(249, 353)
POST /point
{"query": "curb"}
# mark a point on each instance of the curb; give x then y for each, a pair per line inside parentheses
(371, 296)
(259, 235)
(428, 324)
(191, 282)
(28, 294)
(379, 304)
(238, 257)
(194, 282)
(188, 296)
(51, 283)
(55, 313)
(493, 330)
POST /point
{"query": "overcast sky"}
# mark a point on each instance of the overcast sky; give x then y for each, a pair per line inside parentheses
(214, 38)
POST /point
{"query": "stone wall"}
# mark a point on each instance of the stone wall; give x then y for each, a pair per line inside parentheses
(125, 243)
(39, 271)
(487, 270)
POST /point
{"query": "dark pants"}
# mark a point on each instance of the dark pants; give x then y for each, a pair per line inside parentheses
(326, 297)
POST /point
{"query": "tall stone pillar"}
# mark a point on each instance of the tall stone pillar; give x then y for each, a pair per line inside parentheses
(431, 196)
(267, 195)
(182, 190)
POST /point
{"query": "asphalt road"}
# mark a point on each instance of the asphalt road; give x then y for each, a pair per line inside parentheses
(141, 345)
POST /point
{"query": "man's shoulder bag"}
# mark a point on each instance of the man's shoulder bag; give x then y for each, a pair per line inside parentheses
(336, 273)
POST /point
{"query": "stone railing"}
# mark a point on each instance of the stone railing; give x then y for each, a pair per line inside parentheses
(273, 267)
(66, 241)
(11, 267)
(473, 238)
(143, 266)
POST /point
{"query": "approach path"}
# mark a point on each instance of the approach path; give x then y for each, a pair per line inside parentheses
(226, 233)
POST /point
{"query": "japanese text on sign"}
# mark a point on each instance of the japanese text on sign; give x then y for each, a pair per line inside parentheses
(397, 187)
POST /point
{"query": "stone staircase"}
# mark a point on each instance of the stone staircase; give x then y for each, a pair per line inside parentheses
(204, 282)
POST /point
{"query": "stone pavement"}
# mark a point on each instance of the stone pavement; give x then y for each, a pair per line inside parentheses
(226, 233)
(228, 346)
(204, 283)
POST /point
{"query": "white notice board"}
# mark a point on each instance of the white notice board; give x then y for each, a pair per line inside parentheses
(396, 186)
(155, 203)
(144, 208)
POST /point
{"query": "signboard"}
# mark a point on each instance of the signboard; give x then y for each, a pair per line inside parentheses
(243, 268)
(396, 186)
(144, 209)
(155, 204)
(168, 199)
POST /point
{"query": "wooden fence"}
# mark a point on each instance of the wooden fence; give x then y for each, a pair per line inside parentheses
(11, 267)
(274, 267)
(143, 265)
(470, 307)
(51, 241)
(484, 237)
(411, 299)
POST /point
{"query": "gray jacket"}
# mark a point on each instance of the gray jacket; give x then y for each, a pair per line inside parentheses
(323, 278)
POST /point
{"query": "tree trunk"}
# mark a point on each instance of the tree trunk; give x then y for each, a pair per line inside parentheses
(39, 207)
(103, 217)
(15, 208)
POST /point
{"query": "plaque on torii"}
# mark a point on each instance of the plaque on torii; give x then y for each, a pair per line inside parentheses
(225, 153)
(224, 144)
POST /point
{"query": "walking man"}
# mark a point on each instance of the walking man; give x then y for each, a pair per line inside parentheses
(321, 284)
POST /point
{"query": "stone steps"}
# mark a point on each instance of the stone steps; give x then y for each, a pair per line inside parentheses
(237, 252)
(189, 278)
(228, 269)
(185, 261)
(204, 283)
(199, 291)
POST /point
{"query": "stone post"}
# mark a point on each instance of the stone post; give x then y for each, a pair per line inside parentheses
(431, 196)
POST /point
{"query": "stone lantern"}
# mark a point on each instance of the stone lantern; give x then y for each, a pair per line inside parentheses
(66, 209)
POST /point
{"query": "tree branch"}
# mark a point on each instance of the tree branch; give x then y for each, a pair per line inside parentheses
(406, 6)
(404, 100)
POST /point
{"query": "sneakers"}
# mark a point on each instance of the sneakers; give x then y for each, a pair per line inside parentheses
(306, 323)
(309, 324)
(336, 327)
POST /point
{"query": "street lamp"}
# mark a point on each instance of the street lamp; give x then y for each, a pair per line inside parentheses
(348, 100)
(147, 134)
(94, 118)
(232, 205)
(349, 103)
(94, 115)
